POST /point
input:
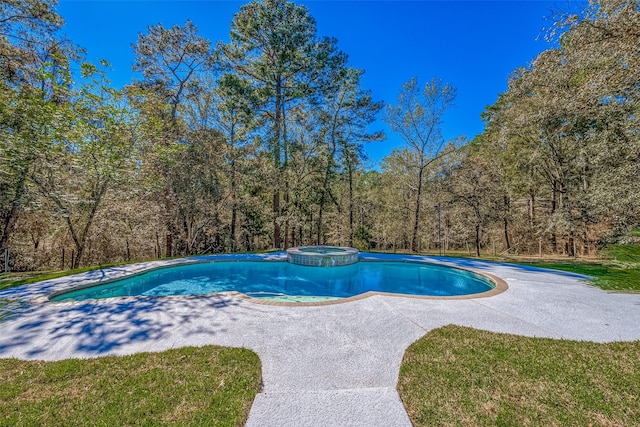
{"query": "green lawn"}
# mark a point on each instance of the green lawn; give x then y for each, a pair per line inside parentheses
(465, 377)
(206, 386)
(618, 271)
(10, 280)
(607, 277)
(623, 253)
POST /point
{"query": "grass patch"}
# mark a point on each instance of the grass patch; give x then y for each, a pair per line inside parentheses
(212, 386)
(607, 277)
(11, 280)
(623, 253)
(461, 376)
(620, 271)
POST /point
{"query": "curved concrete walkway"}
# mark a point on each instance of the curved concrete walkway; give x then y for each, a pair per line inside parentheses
(323, 365)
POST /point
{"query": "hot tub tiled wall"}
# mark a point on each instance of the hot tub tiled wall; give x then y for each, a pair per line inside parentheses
(294, 256)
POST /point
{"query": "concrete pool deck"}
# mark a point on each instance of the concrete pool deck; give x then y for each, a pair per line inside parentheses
(321, 365)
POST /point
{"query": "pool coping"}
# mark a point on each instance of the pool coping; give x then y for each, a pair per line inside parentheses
(499, 285)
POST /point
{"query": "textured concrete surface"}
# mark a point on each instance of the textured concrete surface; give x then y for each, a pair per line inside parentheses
(324, 365)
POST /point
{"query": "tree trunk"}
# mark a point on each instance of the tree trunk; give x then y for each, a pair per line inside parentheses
(507, 208)
(234, 202)
(532, 209)
(276, 213)
(325, 189)
(79, 236)
(571, 246)
(12, 215)
(168, 217)
(277, 243)
(554, 238)
(285, 147)
(319, 225)
(286, 204)
(168, 248)
(234, 215)
(406, 221)
(351, 206)
(416, 221)
(248, 241)
(82, 238)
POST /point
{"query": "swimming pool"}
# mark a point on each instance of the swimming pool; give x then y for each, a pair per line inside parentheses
(286, 282)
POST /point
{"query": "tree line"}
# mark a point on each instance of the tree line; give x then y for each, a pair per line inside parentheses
(258, 144)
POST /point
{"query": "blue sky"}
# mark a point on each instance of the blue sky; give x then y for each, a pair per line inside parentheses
(473, 45)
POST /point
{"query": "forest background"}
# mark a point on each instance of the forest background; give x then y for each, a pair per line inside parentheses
(257, 144)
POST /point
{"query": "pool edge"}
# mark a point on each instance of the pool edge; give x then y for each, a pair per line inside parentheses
(499, 286)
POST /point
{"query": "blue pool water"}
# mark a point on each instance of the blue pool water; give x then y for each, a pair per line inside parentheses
(283, 281)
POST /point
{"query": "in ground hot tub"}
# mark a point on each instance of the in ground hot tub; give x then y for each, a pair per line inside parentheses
(322, 256)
